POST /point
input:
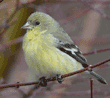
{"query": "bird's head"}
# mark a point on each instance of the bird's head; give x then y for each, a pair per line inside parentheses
(40, 21)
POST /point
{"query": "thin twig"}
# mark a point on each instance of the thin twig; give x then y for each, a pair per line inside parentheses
(82, 70)
(97, 51)
(53, 79)
(16, 84)
(15, 41)
(91, 87)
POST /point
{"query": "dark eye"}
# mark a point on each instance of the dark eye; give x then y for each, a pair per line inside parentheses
(37, 23)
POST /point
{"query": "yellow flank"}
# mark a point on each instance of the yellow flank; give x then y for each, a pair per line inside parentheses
(44, 58)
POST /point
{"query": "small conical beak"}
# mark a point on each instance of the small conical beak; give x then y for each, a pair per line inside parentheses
(26, 26)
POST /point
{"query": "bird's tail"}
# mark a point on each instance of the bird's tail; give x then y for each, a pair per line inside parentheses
(98, 77)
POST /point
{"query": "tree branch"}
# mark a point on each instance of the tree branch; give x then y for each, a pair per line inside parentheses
(53, 79)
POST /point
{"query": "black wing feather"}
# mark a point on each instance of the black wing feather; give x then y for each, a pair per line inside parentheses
(77, 56)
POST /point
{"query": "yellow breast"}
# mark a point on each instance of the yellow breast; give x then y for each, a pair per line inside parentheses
(45, 59)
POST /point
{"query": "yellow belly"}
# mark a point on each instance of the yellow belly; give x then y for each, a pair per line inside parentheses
(46, 60)
(49, 62)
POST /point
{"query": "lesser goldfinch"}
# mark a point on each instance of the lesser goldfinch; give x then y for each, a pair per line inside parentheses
(49, 51)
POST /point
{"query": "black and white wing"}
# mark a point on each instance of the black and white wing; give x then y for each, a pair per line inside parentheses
(73, 51)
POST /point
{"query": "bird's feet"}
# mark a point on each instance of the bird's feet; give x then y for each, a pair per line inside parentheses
(42, 82)
(59, 78)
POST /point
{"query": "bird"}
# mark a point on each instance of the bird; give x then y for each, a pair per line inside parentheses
(49, 51)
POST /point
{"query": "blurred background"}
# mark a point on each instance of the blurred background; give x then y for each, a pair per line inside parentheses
(88, 24)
